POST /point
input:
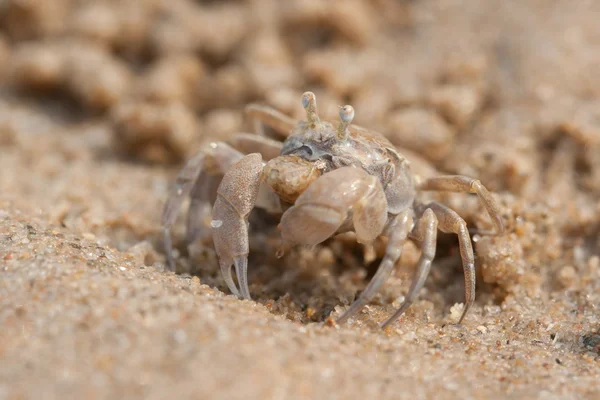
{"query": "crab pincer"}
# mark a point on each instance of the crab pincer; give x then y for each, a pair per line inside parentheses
(319, 213)
(236, 197)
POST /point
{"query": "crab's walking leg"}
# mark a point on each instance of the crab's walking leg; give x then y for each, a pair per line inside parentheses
(215, 157)
(451, 222)
(426, 232)
(236, 198)
(202, 198)
(265, 115)
(398, 229)
(458, 183)
(182, 188)
(250, 143)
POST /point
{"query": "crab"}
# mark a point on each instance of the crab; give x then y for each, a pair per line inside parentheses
(323, 179)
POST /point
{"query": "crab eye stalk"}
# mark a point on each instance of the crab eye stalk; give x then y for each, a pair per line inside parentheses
(346, 117)
(309, 102)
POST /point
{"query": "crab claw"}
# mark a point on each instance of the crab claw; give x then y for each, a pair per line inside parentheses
(241, 270)
(236, 198)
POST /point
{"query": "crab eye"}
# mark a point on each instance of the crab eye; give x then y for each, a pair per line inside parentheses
(305, 101)
(347, 114)
(309, 100)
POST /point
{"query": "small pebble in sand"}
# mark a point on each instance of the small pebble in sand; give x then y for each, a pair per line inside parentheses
(456, 311)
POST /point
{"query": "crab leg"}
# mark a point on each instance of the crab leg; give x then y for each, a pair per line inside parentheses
(216, 156)
(451, 222)
(398, 229)
(426, 232)
(202, 197)
(265, 115)
(236, 198)
(182, 188)
(463, 184)
(251, 143)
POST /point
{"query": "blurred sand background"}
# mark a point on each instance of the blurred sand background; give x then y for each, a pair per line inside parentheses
(102, 101)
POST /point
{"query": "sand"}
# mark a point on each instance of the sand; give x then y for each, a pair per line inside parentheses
(102, 102)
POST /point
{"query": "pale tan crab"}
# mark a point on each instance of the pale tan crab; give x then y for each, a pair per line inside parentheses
(324, 180)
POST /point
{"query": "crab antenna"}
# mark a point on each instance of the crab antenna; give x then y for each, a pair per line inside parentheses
(346, 116)
(309, 102)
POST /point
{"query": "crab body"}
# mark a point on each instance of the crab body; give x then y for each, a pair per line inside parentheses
(362, 149)
(323, 179)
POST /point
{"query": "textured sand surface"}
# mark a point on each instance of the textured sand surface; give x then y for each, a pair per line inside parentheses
(102, 101)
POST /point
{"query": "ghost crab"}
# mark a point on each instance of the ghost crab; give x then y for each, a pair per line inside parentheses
(324, 180)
